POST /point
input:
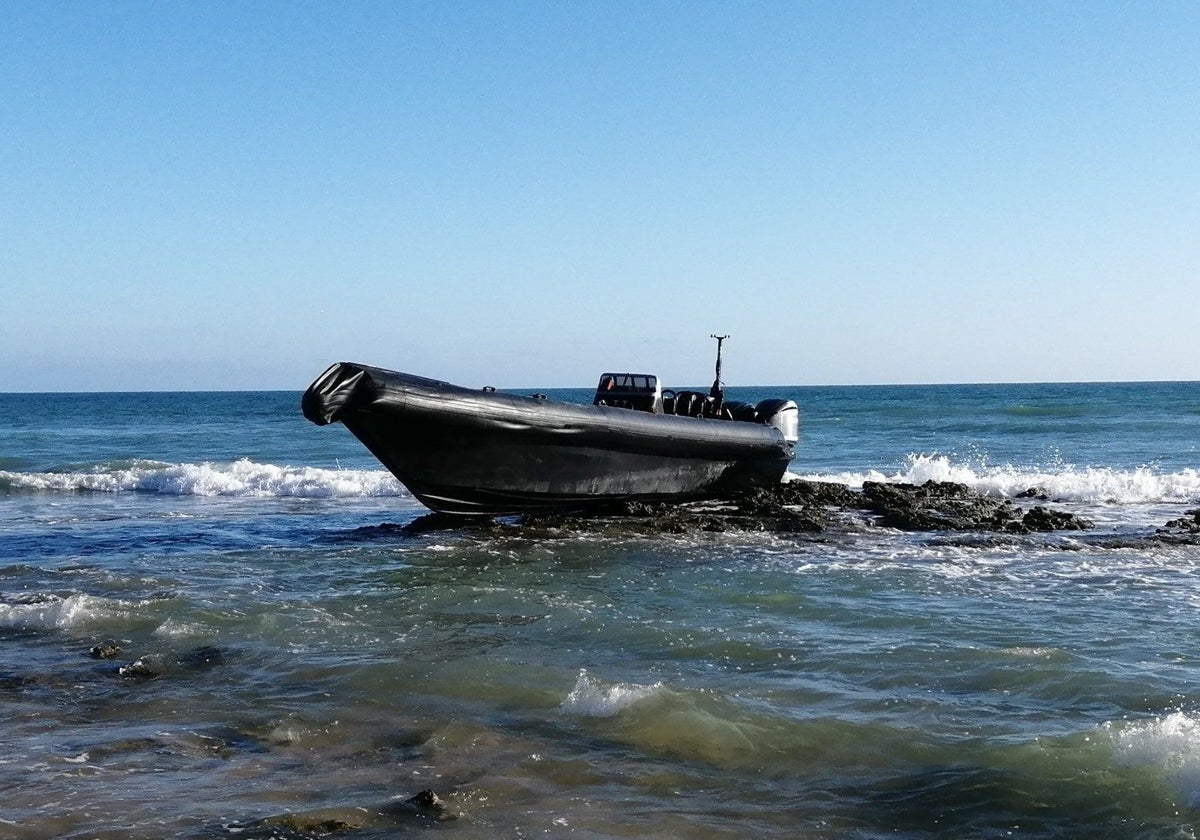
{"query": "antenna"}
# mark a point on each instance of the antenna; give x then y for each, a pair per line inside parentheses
(716, 393)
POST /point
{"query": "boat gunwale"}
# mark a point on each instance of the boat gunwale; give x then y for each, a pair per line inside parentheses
(402, 393)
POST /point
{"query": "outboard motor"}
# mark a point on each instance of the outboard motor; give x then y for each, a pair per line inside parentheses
(784, 415)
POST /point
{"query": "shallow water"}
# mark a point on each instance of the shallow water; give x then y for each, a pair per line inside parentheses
(296, 663)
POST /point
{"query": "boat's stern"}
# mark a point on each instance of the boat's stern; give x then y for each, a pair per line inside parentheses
(783, 415)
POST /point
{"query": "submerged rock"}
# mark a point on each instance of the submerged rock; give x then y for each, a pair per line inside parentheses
(203, 657)
(104, 650)
(10, 682)
(152, 665)
(317, 824)
(143, 668)
(424, 804)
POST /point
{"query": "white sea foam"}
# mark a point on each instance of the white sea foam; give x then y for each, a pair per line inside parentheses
(1171, 744)
(591, 698)
(1144, 485)
(42, 612)
(174, 628)
(239, 478)
(245, 478)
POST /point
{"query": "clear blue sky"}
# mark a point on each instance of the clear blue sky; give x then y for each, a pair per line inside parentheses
(227, 195)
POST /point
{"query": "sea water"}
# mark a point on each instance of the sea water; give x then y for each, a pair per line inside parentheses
(293, 664)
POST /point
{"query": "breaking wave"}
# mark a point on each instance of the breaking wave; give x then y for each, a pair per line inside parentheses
(1144, 485)
(591, 698)
(245, 478)
(238, 478)
(1170, 745)
(56, 612)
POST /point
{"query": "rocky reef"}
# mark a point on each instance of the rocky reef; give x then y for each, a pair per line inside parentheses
(1189, 523)
(810, 507)
(813, 507)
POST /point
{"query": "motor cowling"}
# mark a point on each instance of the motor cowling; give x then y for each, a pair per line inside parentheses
(784, 415)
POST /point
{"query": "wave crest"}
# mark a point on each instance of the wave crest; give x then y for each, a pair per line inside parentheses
(1092, 484)
(239, 478)
(1171, 744)
(56, 612)
(590, 698)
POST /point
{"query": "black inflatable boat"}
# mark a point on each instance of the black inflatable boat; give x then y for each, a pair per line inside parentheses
(466, 451)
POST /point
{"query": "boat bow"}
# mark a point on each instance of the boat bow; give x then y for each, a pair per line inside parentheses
(341, 386)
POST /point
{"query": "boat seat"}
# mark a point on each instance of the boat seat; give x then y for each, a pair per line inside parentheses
(689, 403)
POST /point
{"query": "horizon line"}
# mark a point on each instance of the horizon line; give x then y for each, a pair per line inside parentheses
(589, 388)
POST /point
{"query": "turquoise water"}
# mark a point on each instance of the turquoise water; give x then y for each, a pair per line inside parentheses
(300, 655)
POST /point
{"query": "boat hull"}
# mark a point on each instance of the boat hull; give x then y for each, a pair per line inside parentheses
(479, 452)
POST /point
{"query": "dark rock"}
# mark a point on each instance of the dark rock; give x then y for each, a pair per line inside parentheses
(635, 508)
(431, 522)
(795, 507)
(761, 509)
(1039, 493)
(424, 804)
(150, 666)
(948, 506)
(316, 824)
(331, 826)
(784, 521)
(1189, 523)
(935, 506)
(383, 819)
(758, 510)
(104, 650)
(229, 740)
(806, 506)
(1044, 519)
(427, 800)
(816, 494)
(145, 668)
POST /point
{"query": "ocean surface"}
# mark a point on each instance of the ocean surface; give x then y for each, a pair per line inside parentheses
(292, 664)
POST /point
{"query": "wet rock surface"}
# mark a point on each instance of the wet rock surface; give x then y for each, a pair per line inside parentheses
(937, 506)
(801, 507)
(812, 507)
(424, 807)
(1045, 519)
(1189, 523)
(1184, 530)
(424, 804)
(947, 506)
(104, 650)
(152, 665)
(815, 510)
(143, 668)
